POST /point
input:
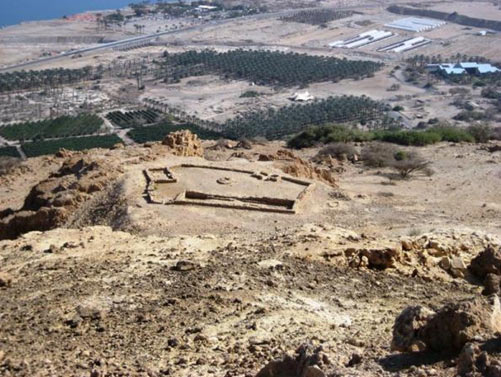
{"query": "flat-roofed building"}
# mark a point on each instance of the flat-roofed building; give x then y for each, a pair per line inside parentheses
(415, 24)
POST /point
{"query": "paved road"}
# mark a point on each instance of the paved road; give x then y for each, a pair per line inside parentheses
(145, 38)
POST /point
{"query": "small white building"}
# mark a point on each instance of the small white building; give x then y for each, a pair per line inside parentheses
(206, 8)
(302, 97)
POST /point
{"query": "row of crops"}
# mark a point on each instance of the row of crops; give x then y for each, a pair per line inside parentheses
(22, 80)
(41, 148)
(264, 67)
(9, 152)
(159, 131)
(133, 119)
(317, 16)
(288, 120)
(65, 126)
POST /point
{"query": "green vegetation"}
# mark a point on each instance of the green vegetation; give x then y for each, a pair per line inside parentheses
(132, 119)
(84, 124)
(469, 115)
(327, 134)
(317, 16)
(288, 120)
(264, 67)
(159, 131)
(380, 155)
(9, 152)
(250, 94)
(23, 80)
(75, 144)
(339, 133)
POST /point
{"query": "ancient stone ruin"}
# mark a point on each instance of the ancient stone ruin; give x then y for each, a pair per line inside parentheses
(225, 187)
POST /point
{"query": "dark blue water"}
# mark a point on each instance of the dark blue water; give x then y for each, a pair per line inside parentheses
(15, 11)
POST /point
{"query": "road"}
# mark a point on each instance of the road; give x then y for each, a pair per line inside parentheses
(145, 38)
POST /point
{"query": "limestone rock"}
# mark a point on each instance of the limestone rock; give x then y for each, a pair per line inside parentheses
(290, 164)
(52, 201)
(305, 363)
(184, 143)
(449, 329)
(5, 279)
(406, 329)
(487, 262)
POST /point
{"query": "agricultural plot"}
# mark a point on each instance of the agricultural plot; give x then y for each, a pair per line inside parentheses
(277, 124)
(75, 144)
(159, 131)
(133, 119)
(65, 126)
(23, 80)
(317, 16)
(264, 67)
(9, 152)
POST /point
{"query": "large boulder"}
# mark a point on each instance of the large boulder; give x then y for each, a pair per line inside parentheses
(487, 267)
(487, 262)
(184, 143)
(406, 329)
(447, 330)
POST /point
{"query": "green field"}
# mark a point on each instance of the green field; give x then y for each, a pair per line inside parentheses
(65, 126)
(158, 132)
(9, 152)
(133, 119)
(41, 148)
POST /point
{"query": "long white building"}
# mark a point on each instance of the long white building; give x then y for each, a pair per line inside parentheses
(363, 39)
(415, 24)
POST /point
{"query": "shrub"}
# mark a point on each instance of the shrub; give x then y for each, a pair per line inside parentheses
(331, 133)
(496, 133)
(481, 133)
(338, 151)
(250, 94)
(378, 155)
(7, 164)
(453, 134)
(410, 163)
(415, 138)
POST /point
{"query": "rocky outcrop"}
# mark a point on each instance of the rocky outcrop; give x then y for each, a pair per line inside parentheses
(297, 167)
(52, 201)
(473, 361)
(487, 267)
(184, 143)
(406, 329)
(379, 259)
(447, 330)
(304, 363)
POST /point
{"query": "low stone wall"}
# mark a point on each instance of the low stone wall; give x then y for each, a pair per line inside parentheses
(189, 197)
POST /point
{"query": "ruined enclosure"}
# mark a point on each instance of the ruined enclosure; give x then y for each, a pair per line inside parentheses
(223, 187)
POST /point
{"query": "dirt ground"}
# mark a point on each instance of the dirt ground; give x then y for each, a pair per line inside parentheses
(204, 291)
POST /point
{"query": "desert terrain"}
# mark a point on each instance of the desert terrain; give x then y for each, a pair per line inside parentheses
(221, 192)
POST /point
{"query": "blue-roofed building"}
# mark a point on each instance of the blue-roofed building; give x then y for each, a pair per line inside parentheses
(471, 68)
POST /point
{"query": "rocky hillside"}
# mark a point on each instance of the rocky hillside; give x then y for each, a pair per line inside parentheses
(95, 281)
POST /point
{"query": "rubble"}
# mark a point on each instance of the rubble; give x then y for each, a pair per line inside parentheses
(304, 363)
